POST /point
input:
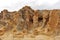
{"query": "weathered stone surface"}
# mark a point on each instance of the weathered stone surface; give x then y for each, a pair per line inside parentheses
(27, 21)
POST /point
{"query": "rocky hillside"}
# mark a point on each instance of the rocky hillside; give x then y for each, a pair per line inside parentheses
(28, 21)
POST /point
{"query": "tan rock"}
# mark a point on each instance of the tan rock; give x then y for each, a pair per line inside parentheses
(28, 21)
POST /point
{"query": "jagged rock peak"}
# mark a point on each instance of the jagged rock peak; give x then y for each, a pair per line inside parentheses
(5, 10)
(26, 8)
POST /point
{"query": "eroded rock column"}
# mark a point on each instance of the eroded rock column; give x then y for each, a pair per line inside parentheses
(35, 19)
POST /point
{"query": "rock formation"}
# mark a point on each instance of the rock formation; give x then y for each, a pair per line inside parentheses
(28, 21)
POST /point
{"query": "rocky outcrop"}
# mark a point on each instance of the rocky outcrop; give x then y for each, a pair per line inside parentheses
(26, 20)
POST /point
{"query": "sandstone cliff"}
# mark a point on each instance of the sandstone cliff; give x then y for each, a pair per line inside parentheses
(29, 21)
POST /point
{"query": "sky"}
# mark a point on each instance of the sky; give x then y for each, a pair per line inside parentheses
(13, 5)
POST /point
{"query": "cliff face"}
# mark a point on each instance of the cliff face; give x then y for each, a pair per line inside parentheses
(28, 21)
